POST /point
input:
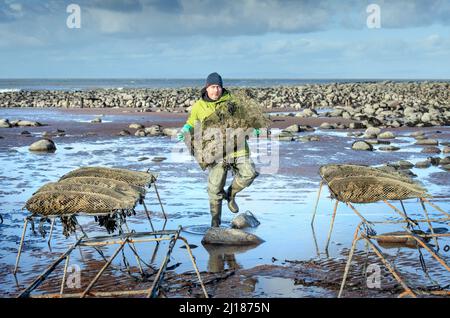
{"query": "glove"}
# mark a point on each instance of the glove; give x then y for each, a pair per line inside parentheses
(256, 132)
(186, 128)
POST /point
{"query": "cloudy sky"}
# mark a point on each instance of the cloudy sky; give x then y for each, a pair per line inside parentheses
(238, 38)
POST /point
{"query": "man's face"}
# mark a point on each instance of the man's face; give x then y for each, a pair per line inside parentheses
(214, 91)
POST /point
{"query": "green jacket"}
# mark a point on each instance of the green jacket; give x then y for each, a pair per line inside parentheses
(202, 109)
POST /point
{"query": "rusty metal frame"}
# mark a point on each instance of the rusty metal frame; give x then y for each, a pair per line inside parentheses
(129, 238)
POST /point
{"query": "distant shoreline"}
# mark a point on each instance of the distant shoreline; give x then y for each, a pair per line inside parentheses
(385, 103)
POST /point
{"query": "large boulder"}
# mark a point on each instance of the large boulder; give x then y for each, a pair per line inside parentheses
(4, 123)
(27, 123)
(43, 145)
(386, 135)
(362, 145)
(293, 128)
(224, 236)
(136, 126)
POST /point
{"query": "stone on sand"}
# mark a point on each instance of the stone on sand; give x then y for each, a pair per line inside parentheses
(243, 220)
(431, 150)
(136, 126)
(386, 135)
(362, 145)
(427, 142)
(43, 145)
(224, 236)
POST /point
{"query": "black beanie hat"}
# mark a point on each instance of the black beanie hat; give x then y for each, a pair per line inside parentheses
(214, 79)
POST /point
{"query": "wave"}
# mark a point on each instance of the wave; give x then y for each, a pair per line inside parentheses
(8, 90)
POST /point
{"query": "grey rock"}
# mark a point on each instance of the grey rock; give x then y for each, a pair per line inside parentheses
(362, 145)
(423, 164)
(243, 220)
(389, 148)
(43, 145)
(136, 126)
(386, 135)
(140, 133)
(293, 128)
(27, 123)
(4, 123)
(124, 133)
(224, 236)
(427, 142)
(171, 132)
(431, 150)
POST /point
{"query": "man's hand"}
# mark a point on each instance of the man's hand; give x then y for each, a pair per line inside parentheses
(186, 128)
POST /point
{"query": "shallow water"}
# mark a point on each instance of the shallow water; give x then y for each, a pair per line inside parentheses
(282, 198)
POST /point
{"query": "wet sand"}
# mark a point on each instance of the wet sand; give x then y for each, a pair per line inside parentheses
(291, 263)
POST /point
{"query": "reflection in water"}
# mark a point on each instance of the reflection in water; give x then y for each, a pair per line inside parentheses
(221, 255)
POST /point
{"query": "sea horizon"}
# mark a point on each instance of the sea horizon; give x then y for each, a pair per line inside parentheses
(74, 84)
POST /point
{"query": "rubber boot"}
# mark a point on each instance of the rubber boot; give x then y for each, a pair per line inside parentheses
(232, 190)
(216, 212)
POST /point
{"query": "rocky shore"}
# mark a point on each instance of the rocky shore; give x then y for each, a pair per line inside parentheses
(379, 104)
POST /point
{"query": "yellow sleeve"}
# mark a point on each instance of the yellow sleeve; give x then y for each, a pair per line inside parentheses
(193, 117)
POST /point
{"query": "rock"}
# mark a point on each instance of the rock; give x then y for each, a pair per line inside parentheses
(407, 172)
(308, 112)
(286, 136)
(372, 131)
(389, 148)
(423, 164)
(4, 123)
(431, 150)
(308, 138)
(25, 133)
(362, 145)
(356, 125)
(140, 133)
(293, 128)
(377, 142)
(143, 158)
(124, 133)
(386, 135)
(446, 149)
(158, 159)
(43, 145)
(417, 133)
(427, 142)
(326, 125)
(445, 161)
(420, 137)
(243, 220)
(96, 120)
(434, 160)
(153, 130)
(303, 128)
(224, 236)
(136, 126)
(27, 123)
(446, 167)
(404, 164)
(171, 132)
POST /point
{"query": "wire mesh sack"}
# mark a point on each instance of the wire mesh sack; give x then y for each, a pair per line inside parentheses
(360, 189)
(328, 172)
(130, 198)
(136, 178)
(226, 130)
(72, 202)
(112, 184)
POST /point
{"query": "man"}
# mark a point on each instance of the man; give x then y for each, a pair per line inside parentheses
(212, 96)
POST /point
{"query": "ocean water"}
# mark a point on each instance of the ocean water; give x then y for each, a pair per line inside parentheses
(87, 84)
